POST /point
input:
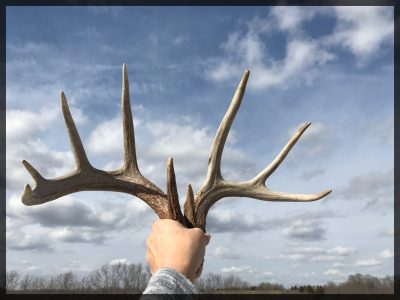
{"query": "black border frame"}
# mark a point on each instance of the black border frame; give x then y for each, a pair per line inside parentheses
(394, 3)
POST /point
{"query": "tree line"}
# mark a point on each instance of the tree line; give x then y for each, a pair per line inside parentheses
(133, 278)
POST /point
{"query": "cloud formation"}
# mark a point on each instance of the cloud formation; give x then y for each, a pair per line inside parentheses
(238, 269)
(307, 226)
(308, 230)
(301, 253)
(223, 252)
(375, 189)
(68, 220)
(27, 241)
(362, 31)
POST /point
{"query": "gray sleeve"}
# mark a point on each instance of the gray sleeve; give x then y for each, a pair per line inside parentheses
(169, 281)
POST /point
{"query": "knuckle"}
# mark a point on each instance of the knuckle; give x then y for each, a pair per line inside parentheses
(197, 232)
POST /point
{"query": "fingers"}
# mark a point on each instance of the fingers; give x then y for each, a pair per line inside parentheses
(167, 222)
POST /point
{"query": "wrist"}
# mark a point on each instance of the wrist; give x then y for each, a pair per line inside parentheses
(185, 271)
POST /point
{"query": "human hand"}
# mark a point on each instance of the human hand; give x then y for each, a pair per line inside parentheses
(171, 245)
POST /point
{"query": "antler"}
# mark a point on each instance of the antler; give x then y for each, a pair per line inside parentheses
(129, 180)
(85, 177)
(216, 187)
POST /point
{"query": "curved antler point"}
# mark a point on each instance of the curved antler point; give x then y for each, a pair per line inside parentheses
(322, 194)
(327, 192)
(305, 126)
(26, 196)
(64, 102)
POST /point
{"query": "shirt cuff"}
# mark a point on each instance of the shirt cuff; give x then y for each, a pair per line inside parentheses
(169, 281)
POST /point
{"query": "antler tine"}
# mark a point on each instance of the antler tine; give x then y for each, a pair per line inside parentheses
(189, 208)
(27, 193)
(81, 160)
(264, 174)
(260, 179)
(288, 197)
(215, 187)
(214, 163)
(34, 173)
(87, 178)
(172, 194)
(130, 161)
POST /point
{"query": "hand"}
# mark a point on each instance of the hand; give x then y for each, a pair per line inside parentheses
(171, 245)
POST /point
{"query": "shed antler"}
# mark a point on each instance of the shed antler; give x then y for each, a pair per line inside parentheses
(85, 177)
(216, 187)
(128, 179)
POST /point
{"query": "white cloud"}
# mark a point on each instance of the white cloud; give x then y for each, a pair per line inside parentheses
(315, 254)
(333, 272)
(20, 240)
(375, 189)
(180, 39)
(23, 129)
(49, 163)
(185, 140)
(305, 229)
(342, 251)
(122, 261)
(228, 220)
(21, 125)
(289, 18)
(303, 56)
(225, 253)
(106, 137)
(385, 254)
(76, 220)
(369, 262)
(248, 49)
(363, 30)
(337, 265)
(68, 235)
(239, 269)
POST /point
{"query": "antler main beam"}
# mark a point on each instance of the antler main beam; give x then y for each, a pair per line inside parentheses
(85, 177)
(216, 187)
(128, 179)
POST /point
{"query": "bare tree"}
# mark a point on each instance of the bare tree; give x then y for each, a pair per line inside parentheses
(64, 282)
(135, 279)
(212, 282)
(31, 283)
(26, 282)
(117, 278)
(12, 280)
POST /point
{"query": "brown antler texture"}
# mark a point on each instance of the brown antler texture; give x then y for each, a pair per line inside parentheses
(216, 187)
(128, 178)
(85, 177)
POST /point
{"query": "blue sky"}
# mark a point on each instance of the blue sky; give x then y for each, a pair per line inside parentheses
(332, 66)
